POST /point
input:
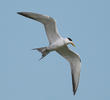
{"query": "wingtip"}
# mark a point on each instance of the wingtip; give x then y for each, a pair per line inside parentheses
(26, 14)
(34, 49)
(75, 86)
(20, 13)
(74, 89)
(74, 92)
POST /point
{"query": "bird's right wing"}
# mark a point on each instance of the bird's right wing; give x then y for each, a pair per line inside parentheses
(49, 24)
(75, 64)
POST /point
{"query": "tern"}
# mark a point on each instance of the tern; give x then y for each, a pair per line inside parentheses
(58, 44)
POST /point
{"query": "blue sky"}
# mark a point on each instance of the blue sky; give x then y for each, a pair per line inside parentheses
(24, 77)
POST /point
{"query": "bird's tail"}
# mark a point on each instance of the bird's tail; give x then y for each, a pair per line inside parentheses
(43, 50)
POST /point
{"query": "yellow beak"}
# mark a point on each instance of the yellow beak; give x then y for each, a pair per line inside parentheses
(73, 44)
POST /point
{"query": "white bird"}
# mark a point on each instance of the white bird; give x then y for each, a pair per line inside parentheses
(58, 44)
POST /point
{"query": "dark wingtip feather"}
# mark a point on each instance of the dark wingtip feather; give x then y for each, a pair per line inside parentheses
(74, 91)
(26, 14)
(74, 85)
(23, 14)
(20, 13)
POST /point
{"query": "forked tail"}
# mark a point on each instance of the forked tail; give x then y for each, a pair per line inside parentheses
(43, 50)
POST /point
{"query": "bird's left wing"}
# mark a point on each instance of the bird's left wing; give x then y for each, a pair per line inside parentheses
(49, 24)
(75, 64)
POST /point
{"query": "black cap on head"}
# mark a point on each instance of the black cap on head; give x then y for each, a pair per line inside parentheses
(70, 39)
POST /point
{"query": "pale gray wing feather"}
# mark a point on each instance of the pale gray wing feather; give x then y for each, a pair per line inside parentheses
(75, 64)
(49, 24)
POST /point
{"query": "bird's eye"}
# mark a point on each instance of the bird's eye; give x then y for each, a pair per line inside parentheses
(70, 39)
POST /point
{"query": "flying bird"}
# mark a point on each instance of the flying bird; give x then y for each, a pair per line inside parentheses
(58, 44)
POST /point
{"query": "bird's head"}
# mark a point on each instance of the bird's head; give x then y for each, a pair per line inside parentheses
(69, 41)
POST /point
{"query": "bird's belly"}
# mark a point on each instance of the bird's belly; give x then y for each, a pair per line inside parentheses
(56, 45)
